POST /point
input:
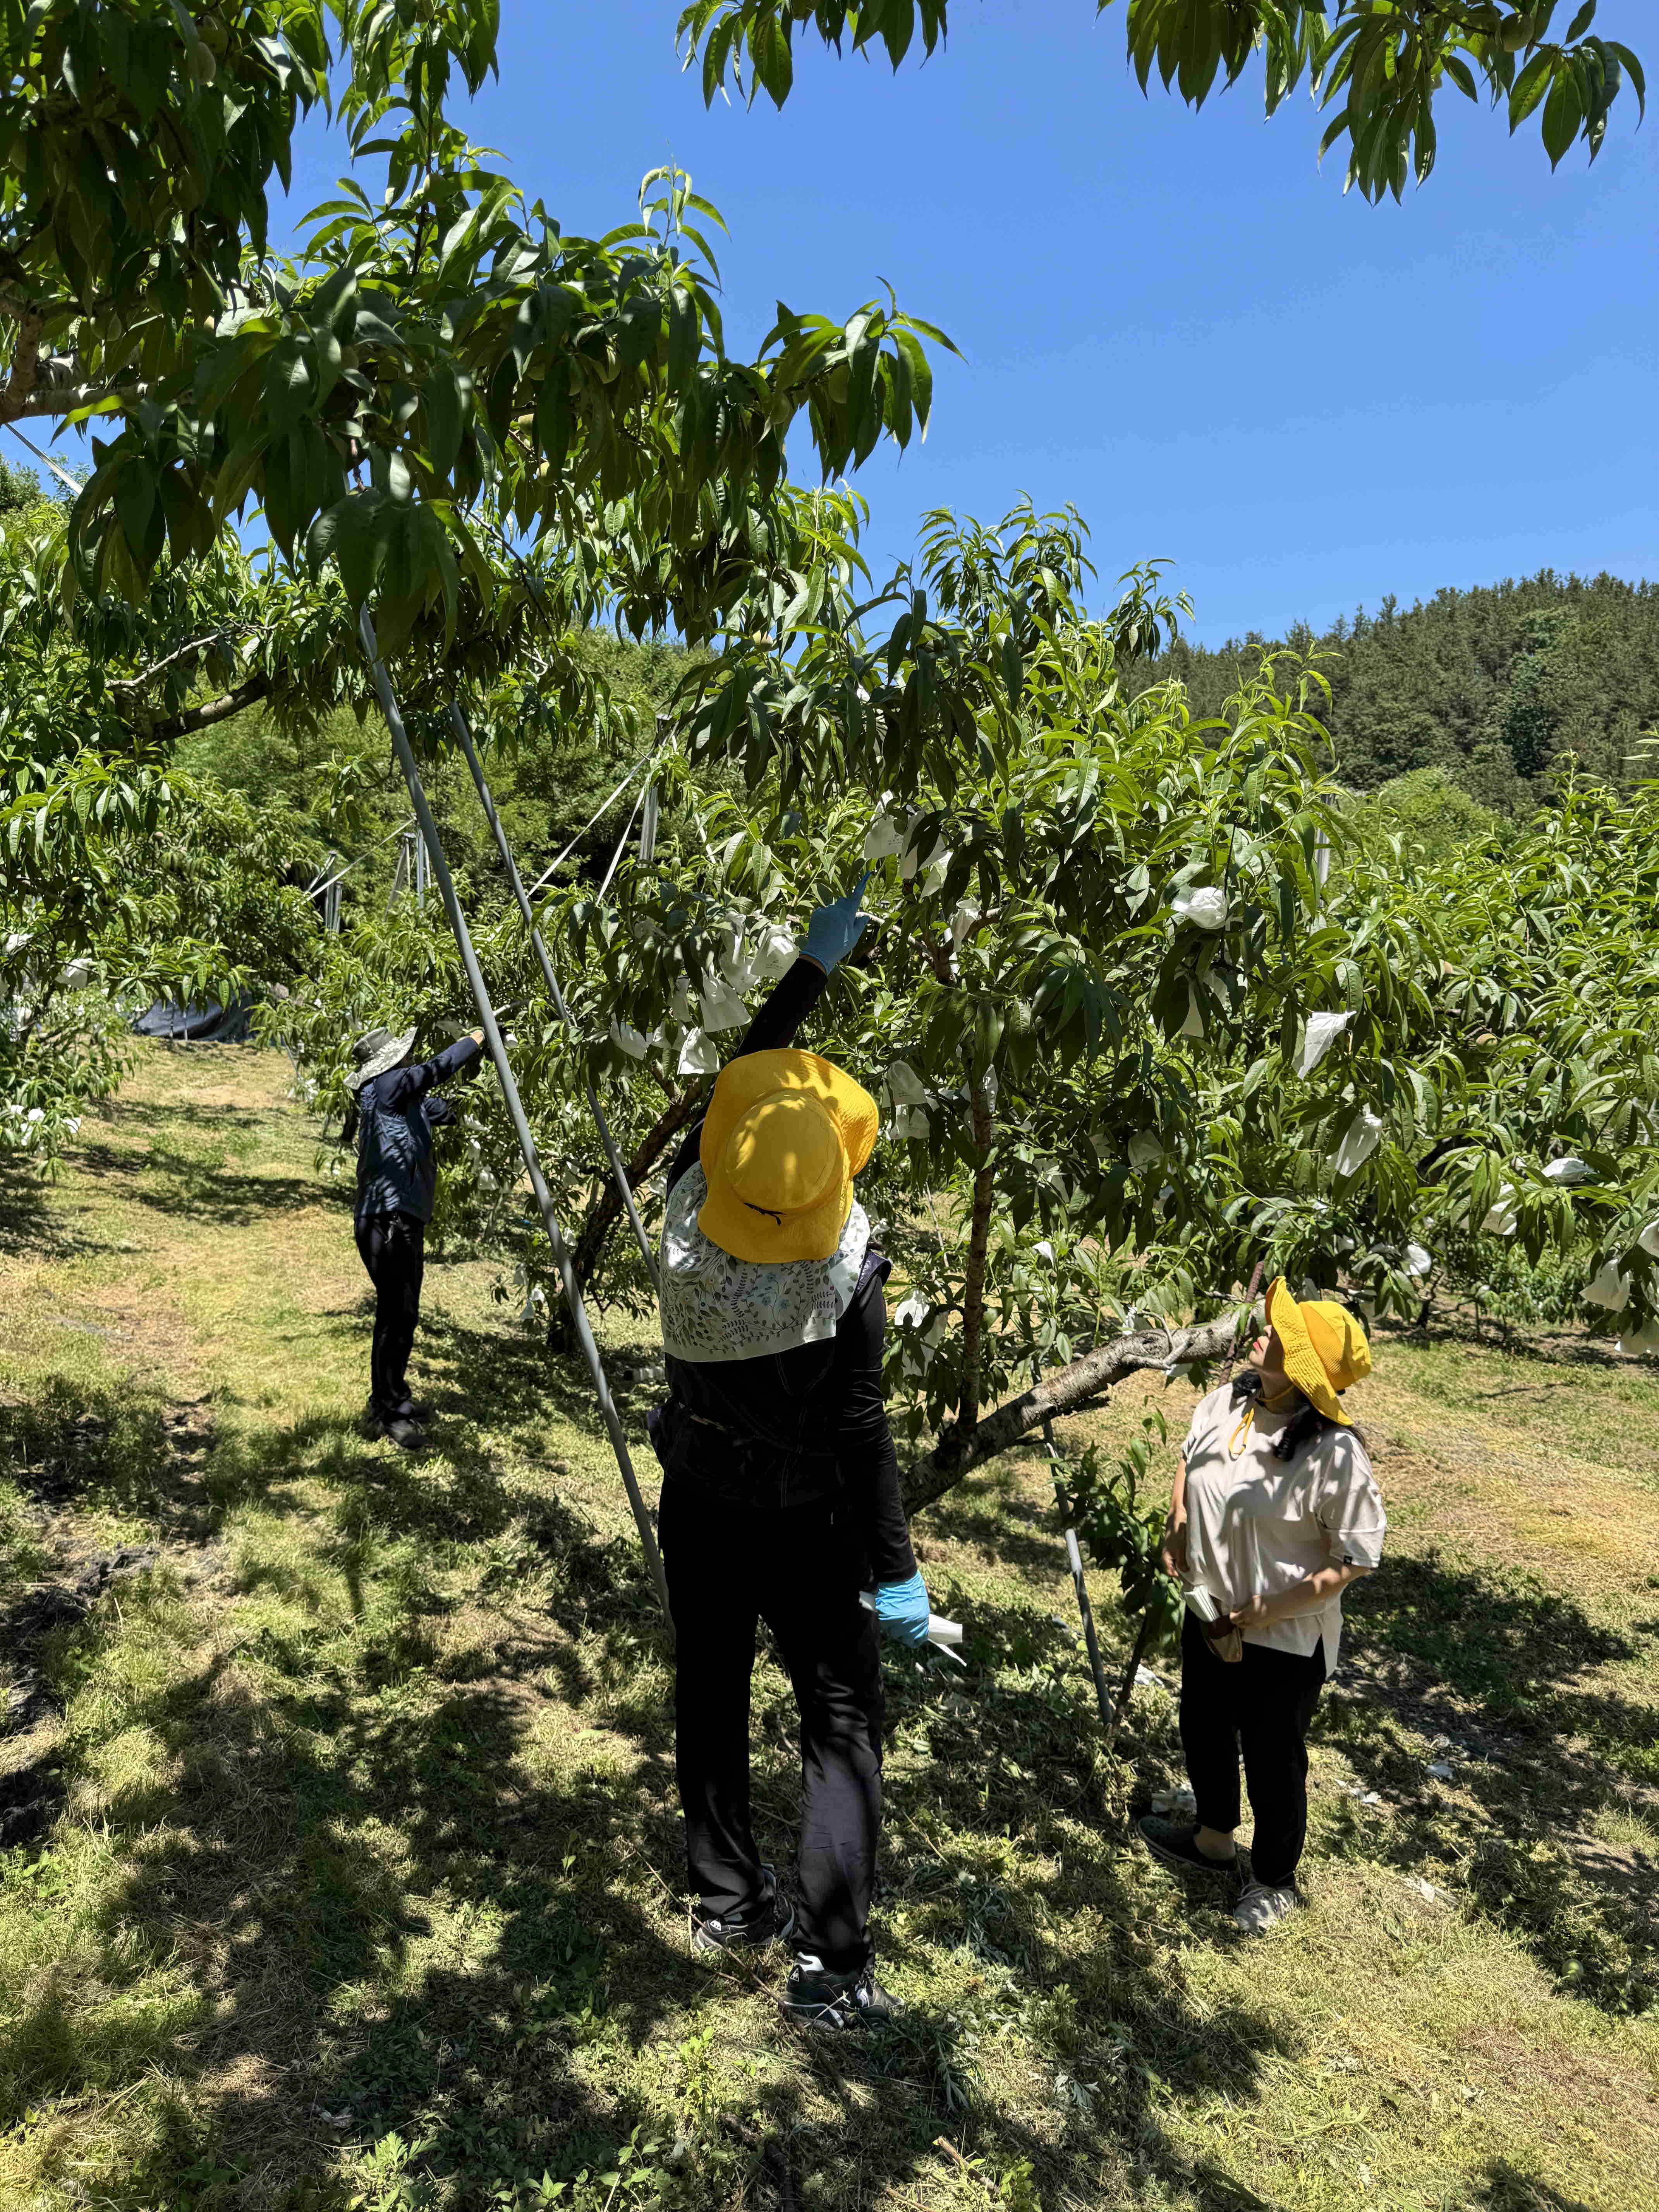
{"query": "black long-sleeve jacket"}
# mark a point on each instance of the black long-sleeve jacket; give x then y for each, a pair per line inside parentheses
(396, 1170)
(792, 1426)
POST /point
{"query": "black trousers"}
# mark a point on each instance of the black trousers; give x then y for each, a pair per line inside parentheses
(1260, 1705)
(799, 1569)
(393, 1250)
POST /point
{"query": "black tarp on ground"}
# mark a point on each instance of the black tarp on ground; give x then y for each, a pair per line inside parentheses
(207, 1024)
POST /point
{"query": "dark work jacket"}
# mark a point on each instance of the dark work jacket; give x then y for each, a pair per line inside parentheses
(792, 1426)
(396, 1170)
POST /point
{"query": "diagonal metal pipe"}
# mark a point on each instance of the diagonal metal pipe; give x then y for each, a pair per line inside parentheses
(486, 799)
(504, 1076)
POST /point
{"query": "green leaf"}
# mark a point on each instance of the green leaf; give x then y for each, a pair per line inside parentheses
(683, 339)
(1530, 87)
(448, 396)
(1564, 111)
(135, 505)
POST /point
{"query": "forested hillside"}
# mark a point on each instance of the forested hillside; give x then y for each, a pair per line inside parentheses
(1494, 685)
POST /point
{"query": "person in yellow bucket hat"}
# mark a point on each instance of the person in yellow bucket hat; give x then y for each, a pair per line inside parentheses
(781, 1494)
(1274, 1512)
(785, 1134)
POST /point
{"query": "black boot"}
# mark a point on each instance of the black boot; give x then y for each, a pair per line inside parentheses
(835, 2003)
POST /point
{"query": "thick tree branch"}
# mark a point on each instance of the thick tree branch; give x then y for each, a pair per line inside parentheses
(187, 724)
(51, 384)
(25, 365)
(958, 1453)
(54, 395)
(607, 1208)
(147, 676)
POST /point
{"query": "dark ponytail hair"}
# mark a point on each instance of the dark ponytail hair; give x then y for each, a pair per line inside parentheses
(1301, 1427)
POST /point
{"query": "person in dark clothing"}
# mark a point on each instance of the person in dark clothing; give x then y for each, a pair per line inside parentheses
(781, 1495)
(393, 1118)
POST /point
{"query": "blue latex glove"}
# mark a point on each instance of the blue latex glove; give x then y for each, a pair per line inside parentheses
(902, 1610)
(835, 929)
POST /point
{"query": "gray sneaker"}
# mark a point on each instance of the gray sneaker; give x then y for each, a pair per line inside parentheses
(1260, 1910)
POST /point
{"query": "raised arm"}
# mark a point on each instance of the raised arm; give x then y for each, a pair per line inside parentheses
(831, 934)
(403, 1086)
(784, 1008)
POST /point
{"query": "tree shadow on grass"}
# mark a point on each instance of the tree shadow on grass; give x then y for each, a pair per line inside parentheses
(1503, 1677)
(510, 1381)
(29, 1222)
(1006, 1525)
(116, 1450)
(310, 1940)
(1506, 2189)
(202, 1187)
(1544, 1348)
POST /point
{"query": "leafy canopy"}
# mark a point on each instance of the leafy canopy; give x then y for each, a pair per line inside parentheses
(439, 351)
(1378, 64)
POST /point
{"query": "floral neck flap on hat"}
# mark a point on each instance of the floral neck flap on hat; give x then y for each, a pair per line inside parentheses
(715, 1307)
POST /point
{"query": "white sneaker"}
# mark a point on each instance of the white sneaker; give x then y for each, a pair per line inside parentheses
(1260, 1909)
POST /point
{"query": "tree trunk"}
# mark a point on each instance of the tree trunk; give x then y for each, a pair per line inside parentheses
(973, 1289)
(607, 1210)
(1064, 1392)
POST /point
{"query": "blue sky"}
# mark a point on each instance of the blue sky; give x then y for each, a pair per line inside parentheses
(1174, 320)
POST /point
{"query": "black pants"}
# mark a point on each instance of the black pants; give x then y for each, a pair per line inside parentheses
(393, 1249)
(1260, 1705)
(798, 1568)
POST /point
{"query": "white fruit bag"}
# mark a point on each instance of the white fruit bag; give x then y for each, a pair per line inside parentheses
(1609, 1288)
(905, 1086)
(722, 1009)
(885, 839)
(1359, 1140)
(1205, 907)
(1318, 1037)
(699, 1054)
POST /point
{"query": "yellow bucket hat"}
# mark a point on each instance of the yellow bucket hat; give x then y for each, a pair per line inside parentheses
(784, 1136)
(1324, 1346)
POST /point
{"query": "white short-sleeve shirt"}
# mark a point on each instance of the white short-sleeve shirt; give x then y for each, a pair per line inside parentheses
(1258, 1525)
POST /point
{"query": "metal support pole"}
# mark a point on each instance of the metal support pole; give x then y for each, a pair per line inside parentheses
(486, 799)
(590, 1350)
(1074, 1559)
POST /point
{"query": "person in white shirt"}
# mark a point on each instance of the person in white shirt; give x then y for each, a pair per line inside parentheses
(1273, 1513)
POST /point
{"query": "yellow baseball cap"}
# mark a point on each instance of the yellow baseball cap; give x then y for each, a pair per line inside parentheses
(784, 1136)
(1324, 1347)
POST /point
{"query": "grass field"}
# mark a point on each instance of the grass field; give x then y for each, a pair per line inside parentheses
(339, 1863)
